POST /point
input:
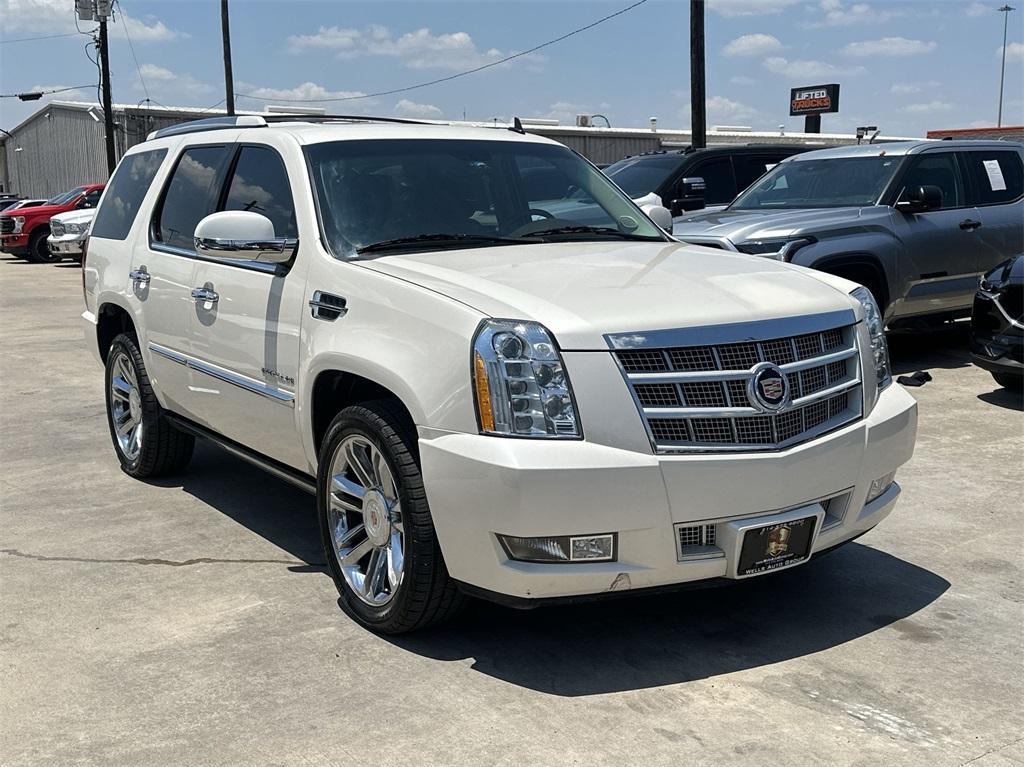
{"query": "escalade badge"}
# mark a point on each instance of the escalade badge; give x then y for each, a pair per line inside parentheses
(768, 388)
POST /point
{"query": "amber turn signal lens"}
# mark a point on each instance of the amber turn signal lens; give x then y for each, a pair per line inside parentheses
(483, 394)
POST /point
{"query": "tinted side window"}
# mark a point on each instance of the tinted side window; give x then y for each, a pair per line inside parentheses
(125, 192)
(190, 195)
(91, 198)
(749, 168)
(717, 175)
(935, 170)
(260, 184)
(996, 177)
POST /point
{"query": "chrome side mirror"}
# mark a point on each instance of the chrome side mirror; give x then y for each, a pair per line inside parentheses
(242, 235)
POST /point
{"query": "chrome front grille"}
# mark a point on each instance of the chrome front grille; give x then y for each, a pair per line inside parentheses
(695, 397)
(56, 228)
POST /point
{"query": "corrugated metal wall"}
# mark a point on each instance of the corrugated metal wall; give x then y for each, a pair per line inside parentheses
(604, 149)
(58, 150)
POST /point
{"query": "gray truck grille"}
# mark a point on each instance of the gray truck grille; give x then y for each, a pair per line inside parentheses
(694, 398)
(6, 224)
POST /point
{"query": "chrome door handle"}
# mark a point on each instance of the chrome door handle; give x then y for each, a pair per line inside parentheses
(139, 275)
(205, 294)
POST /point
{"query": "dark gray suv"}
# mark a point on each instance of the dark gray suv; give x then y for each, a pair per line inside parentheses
(916, 222)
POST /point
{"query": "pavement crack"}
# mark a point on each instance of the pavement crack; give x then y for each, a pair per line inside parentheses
(165, 562)
(992, 751)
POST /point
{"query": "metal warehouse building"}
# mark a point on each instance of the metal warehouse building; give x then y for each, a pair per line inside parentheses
(61, 146)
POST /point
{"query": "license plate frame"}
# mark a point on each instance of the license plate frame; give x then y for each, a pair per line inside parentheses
(805, 520)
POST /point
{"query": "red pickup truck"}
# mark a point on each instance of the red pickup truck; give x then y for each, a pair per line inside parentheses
(23, 232)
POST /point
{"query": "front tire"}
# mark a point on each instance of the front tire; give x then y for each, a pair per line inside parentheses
(1008, 381)
(39, 250)
(377, 531)
(146, 442)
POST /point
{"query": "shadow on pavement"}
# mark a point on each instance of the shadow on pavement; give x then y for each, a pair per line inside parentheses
(943, 348)
(639, 642)
(1007, 398)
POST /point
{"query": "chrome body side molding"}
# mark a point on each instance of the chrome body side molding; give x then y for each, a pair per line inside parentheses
(225, 375)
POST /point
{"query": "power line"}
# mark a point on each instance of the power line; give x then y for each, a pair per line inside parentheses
(44, 93)
(124, 20)
(41, 37)
(474, 70)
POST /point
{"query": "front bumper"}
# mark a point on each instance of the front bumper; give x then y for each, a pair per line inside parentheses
(66, 245)
(997, 339)
(481, 486)
(16, 244)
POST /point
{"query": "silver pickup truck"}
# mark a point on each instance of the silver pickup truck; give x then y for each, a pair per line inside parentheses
(915, 222)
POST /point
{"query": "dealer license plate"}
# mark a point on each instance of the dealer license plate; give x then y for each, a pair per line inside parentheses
(775, 546)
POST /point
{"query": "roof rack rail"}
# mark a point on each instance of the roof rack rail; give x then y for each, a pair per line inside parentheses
(279, 117)
(209, 123)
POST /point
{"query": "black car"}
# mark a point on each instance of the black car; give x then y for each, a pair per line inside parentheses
(689, 179)
(997, 324)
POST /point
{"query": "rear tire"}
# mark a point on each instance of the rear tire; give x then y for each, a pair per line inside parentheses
(1008, 381)
(39, 250)
(378, 535)
(146, 443)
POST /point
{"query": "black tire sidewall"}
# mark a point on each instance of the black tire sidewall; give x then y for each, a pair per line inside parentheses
(360, 421)
(39, 251)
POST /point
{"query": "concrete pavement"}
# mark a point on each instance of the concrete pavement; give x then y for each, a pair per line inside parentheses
(190, 622)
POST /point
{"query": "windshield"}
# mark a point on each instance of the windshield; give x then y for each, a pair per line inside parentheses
(65, 197)
(638, 176)
(833, 182)
(384, 195)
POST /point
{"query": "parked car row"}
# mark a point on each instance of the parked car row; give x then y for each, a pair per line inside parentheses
(49, 230)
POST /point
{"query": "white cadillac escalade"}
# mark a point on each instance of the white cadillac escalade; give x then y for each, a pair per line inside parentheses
(496, 373)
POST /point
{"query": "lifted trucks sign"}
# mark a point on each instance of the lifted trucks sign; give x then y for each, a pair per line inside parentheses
(814, 100)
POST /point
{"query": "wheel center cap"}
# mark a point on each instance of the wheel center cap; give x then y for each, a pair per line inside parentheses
(376, 518)
(134, 404)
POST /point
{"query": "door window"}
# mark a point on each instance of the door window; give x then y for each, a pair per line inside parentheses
(718, 178)
(996, 177)
(935, 170)
(190, 195)
(259, 183)
(749, 168)
(125, 192)
(91, 198)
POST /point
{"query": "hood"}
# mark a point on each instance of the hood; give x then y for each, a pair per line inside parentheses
(40, 210)
(76, 216)
(583, 290)
(739, 225)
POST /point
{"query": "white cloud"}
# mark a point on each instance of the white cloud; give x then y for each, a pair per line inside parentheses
(837, 14)
(1014, 52)
(808, 69)
(889, 47)
(421, 49)
(929, 107)
(976, 9)
(57, 17)
(733, 8)
(904, 89)
(566, 111)
(720, 109)
(307, 92)
(413, 109)
(752, 45)
(169, 81)
(742, 80)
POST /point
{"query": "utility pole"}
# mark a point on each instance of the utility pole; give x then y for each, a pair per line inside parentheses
(1005, 10)
(698, 117)
(229, 80)
(108, 111)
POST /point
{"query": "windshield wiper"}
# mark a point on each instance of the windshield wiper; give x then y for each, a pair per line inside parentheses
(438, 238)
(581, 229)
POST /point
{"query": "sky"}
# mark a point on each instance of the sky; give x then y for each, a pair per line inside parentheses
(906, 66)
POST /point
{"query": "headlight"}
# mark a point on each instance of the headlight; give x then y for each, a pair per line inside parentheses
(19, 221)
(876, 332)
(74, 228)
(779, 249)
(522, 389)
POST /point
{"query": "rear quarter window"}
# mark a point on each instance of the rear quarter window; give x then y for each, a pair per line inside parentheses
(996, 176)
(125, 193)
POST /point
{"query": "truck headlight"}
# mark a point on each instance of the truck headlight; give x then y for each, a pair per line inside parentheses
(779, 249)
(876, 332)
(19, 222)
(521, 387)
(74, 228)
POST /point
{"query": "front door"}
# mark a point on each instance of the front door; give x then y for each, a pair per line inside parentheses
(939, 258)
(244, 330)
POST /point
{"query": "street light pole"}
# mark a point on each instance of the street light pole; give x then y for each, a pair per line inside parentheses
(1005, 10)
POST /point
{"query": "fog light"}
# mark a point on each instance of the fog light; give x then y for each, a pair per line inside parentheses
(879, 486)
(560, 548)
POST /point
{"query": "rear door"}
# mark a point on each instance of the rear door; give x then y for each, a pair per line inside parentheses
(995, 186)
(245, 341)
(939, 256)
(163, 269)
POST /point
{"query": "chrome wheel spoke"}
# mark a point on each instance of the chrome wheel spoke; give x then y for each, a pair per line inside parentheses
(121, 388)
(345, 537)
(343, 489)
(357, 552)
(395, 560)
(359, 468)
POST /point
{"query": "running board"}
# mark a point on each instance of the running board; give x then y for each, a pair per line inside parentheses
(276, 468)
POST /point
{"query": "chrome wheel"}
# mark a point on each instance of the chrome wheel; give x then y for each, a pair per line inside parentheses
(365, 521)
(126, 406)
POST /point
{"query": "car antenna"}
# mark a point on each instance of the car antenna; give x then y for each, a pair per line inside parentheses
(517, 126)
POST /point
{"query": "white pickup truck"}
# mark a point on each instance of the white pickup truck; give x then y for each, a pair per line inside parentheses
(485, 396)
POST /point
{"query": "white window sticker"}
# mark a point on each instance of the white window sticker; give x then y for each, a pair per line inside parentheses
(769, 165)
(995, 175)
